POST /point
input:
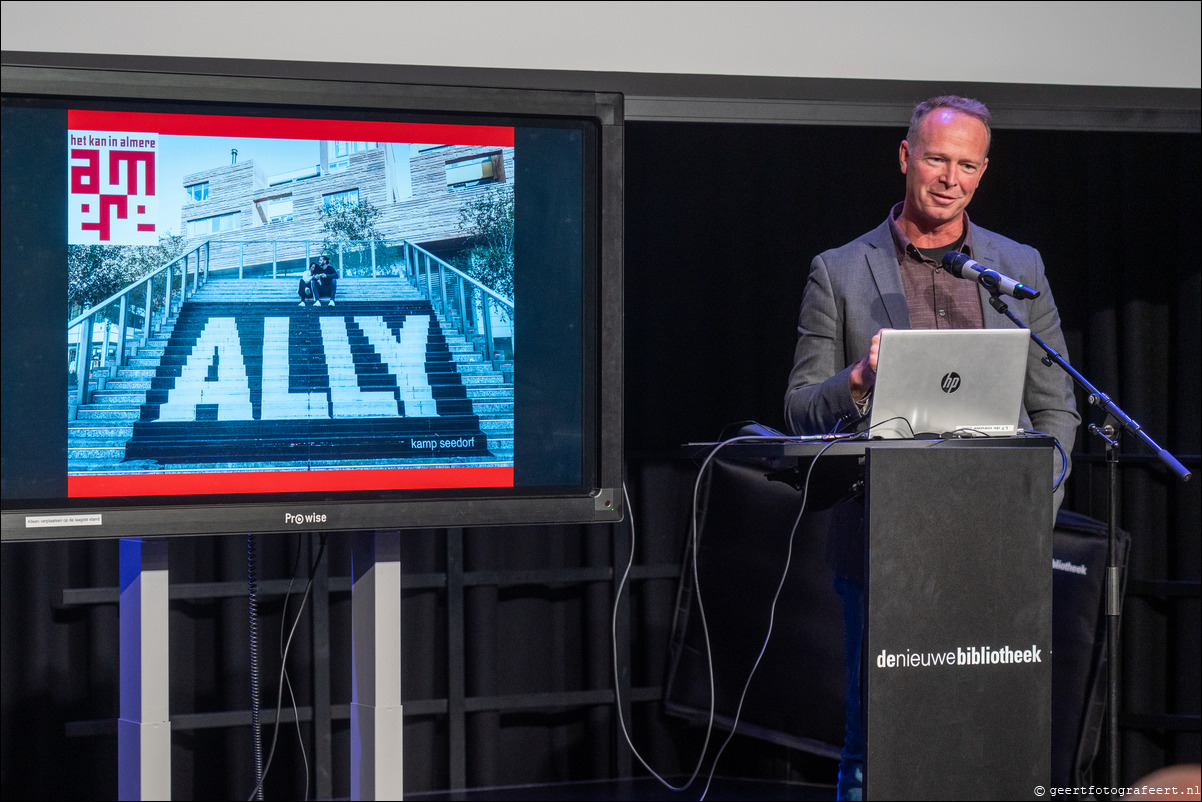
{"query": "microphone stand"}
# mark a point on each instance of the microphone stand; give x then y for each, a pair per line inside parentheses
(1110, 435)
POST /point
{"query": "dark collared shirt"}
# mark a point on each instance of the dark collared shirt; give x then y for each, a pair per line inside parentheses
(937, 299)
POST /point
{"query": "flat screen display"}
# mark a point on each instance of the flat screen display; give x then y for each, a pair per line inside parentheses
(222, 315)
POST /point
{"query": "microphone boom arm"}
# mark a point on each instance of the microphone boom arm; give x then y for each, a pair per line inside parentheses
(1113, 583)
(1096, 396)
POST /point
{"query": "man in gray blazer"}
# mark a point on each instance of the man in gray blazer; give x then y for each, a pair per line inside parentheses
(891, 278)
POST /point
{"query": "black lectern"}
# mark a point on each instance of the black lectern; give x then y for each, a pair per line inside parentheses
(958, 644)
(959, 607)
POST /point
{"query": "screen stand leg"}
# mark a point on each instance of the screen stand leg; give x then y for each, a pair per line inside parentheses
(376, 726)
(144, 727)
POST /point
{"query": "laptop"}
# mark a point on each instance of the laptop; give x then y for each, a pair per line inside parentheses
(962, 382)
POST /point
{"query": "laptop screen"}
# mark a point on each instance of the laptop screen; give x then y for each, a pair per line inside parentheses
(944, 381)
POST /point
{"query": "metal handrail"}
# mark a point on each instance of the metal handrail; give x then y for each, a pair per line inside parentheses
(496, 296)
(489, 297)
(86, 319)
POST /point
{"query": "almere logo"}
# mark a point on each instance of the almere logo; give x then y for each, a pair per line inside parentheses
(111, 198)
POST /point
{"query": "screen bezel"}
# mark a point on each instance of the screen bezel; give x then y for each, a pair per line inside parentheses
(362, 87)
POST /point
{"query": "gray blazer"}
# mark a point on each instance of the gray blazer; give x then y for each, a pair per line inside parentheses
(856, 290)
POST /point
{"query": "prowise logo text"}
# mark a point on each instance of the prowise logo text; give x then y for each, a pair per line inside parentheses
(962, 656)
(300, 519)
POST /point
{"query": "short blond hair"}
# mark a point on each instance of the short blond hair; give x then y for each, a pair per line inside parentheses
(964, 105)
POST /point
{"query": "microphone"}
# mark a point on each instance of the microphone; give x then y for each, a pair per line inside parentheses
(960, 266)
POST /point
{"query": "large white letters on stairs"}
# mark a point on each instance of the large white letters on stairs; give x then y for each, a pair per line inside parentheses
(215, 373)
(406, 359)
(278, 402)
(349, 399)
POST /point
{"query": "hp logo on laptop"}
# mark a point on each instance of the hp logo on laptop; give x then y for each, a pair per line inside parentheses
(950, 382)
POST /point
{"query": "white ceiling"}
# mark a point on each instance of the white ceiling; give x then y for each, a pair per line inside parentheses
(1155, 44)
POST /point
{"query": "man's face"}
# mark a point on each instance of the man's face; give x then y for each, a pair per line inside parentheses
(942, 170)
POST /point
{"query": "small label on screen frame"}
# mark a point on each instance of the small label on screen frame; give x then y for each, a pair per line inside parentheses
(34, 521)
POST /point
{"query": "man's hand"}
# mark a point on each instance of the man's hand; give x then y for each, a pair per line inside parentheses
(863, 373)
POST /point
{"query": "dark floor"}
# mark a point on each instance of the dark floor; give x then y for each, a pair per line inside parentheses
(645, 790)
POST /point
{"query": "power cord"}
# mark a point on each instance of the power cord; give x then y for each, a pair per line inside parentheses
(693, 533)
(300, 736)
(283, 682)
(252, 597)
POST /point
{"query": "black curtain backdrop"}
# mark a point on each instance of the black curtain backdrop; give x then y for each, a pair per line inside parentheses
(723, 220)
(721, 223)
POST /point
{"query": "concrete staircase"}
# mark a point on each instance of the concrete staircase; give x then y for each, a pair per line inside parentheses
(119, 398)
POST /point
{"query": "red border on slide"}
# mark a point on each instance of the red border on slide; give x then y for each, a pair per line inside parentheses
(192, 484)
(288, 128)
(206, 484)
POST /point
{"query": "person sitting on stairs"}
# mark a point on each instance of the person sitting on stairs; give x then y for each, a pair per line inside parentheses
(308, 284)
(325, 280)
